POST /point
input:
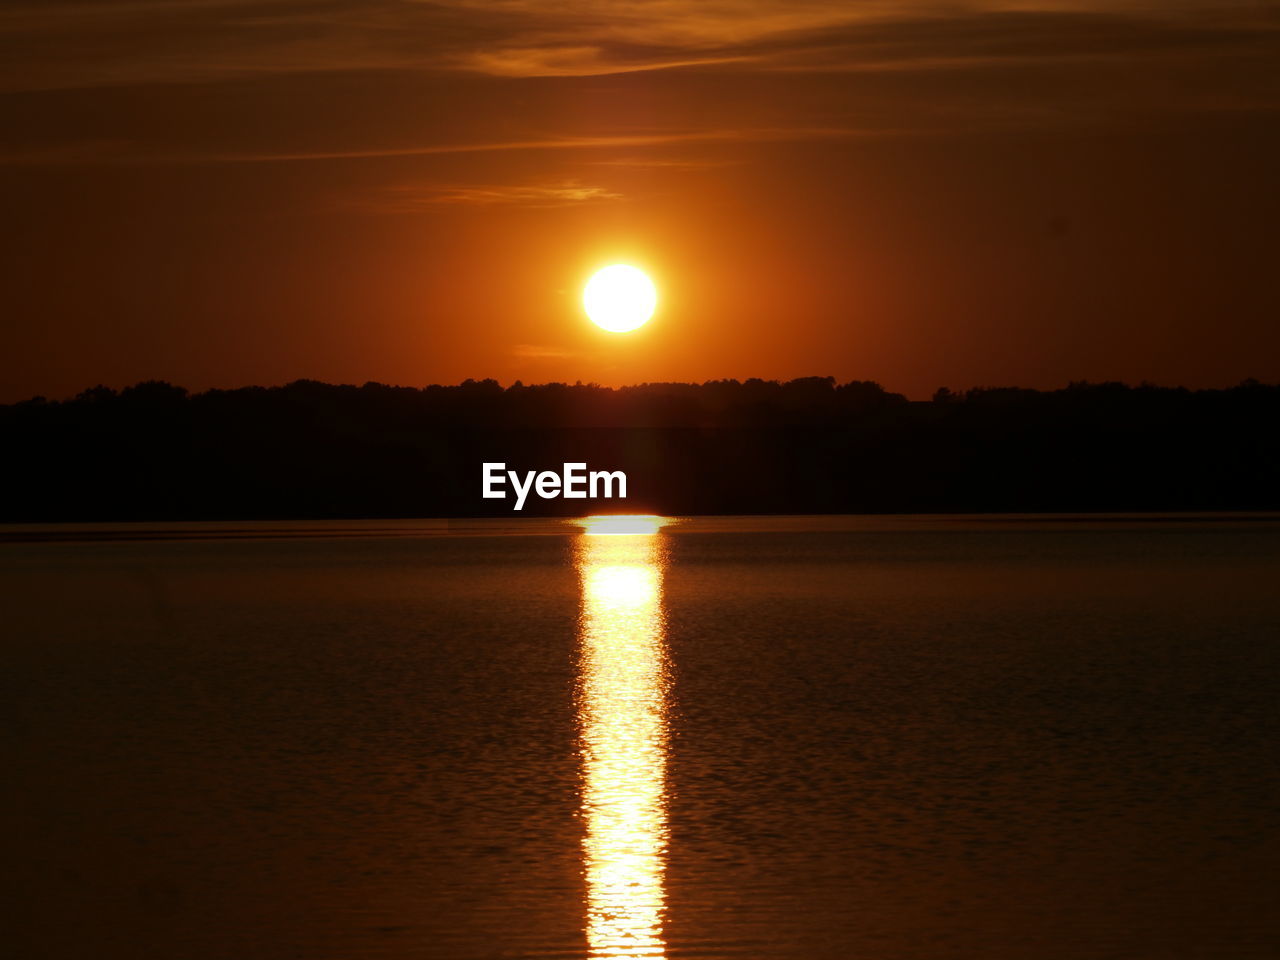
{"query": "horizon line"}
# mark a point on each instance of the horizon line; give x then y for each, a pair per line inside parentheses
(104, 391)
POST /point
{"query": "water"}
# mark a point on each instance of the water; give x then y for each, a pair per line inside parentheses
(891, 738)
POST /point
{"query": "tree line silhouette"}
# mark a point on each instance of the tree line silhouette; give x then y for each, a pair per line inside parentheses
(314, 450)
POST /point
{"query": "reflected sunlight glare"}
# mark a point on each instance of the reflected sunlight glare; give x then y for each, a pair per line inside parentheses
(622, 712)
(615, 524)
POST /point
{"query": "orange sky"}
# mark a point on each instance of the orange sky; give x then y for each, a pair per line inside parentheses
(227, 192)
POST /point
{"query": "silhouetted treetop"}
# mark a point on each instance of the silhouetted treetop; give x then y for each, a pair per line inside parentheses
(311, 449)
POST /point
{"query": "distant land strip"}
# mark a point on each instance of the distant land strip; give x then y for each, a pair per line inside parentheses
(309, 450)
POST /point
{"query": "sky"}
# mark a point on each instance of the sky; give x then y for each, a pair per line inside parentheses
(220, 193)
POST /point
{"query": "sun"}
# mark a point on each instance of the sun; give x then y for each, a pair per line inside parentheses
(619, 298)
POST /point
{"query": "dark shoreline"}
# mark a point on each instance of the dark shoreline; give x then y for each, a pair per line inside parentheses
(416, 528)
(811, 447)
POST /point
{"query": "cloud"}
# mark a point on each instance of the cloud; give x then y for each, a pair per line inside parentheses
(192, 82)
(1021, 38)
(575, 61)
(532, 351)
(59, 44)
(121, 153)
(668, 163)
(744, 135)
(407, 198)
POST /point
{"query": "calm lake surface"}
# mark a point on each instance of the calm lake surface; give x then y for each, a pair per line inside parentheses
(792, 738)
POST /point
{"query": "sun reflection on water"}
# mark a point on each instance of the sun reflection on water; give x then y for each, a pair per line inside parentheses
(622, 713)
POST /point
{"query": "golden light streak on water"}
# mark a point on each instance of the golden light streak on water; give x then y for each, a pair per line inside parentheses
(622, 714)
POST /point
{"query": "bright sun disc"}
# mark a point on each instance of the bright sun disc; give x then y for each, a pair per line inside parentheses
(619, 298)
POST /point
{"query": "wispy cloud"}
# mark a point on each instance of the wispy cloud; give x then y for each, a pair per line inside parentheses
(407, 198)
(533, 351)
(744, 135)
(576, 61)
(665, 163)
(294, 81)
(58, 44)
(123, 153)
(595, 37)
